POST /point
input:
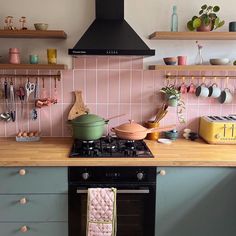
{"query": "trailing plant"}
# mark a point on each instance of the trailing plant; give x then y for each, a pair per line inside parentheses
(174, 94)
(207, 16)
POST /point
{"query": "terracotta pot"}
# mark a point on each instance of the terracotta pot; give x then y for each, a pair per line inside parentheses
(205, 28)
(135, 131)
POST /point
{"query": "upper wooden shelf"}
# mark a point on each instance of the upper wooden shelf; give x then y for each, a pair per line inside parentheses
(57, 34)
(193, 68)
(33, 66)
(166, 35)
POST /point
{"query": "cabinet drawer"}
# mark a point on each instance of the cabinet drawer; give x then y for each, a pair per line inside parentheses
(33, 180)
(34, 229)
(33, 208)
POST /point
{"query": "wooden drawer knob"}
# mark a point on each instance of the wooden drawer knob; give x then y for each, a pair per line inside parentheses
(24, 229)
(23, 201)
(22, 172)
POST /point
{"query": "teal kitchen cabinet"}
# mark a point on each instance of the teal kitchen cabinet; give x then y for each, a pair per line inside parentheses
(33, 201)
(196, 201)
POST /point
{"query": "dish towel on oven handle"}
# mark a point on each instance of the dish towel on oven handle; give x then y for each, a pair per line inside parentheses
(101, 212)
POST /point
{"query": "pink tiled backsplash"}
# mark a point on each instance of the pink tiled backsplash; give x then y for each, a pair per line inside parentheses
(111, 86)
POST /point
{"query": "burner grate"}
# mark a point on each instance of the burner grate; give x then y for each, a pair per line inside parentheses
(110, 147)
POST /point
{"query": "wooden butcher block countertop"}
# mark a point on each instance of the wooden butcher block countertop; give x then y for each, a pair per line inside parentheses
(54, 152)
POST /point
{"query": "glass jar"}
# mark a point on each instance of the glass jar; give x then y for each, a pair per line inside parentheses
(14, 56)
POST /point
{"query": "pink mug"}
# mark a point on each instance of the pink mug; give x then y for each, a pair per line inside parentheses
(191, 88)
(183, 88)
(182, 60)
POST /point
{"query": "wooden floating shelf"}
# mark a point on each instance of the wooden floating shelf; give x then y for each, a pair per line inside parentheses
(33, 66)
(166, 35)
(193, 68)
(57, 34)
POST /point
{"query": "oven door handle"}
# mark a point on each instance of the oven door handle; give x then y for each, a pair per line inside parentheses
(125, 191)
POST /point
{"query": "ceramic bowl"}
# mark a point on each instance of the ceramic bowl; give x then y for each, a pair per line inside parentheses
(170, 60)
(41, 26)
(173, 135)
(219, 61)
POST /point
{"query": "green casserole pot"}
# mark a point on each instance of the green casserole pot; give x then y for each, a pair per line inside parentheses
(88, 127)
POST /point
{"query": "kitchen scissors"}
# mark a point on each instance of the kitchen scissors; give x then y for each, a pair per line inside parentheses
(29, 88)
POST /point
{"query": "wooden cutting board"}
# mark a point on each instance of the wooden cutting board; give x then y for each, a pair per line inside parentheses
(78, 108)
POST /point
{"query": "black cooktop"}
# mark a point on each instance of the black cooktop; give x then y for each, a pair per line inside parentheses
(110, 147)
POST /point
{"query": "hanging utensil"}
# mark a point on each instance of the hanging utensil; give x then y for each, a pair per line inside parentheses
(12, 102)
(55, 94)
(34, 113)
(6, 115)
(29, 88)
(44, 93)
(21, 94)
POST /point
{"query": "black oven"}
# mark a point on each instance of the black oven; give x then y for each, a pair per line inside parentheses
(136, 190)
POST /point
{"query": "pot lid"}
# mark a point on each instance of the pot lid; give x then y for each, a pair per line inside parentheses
(87, 119)
(131, 127)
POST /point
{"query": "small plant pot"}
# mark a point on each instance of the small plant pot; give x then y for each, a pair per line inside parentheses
(172, 102)
(205, 28)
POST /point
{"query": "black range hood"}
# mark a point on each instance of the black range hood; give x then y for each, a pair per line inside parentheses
(110, 34)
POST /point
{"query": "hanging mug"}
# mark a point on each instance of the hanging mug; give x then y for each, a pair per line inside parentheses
(202, 91)
(226, 96)
(214, 91)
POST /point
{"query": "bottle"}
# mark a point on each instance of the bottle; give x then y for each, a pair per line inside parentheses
(199, 58)
(174, 20)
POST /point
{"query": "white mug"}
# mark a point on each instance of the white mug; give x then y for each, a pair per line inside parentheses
(214, 91)
(226, 96)
(202, 91)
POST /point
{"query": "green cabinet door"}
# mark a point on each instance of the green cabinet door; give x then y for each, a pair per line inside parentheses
(196, 201)
(34, 229)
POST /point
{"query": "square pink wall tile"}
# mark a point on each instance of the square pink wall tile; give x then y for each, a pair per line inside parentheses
(204, 110)
(149, 111)
(114, 86)
(102, 62)
(79, 62)
(2, 129)
(67, 85)
(92, 108)
(57, 120)
(136, 86)
(11, 129)
(227, 109)
(126, 110)
(215, 109)
(91, 86)
(125, 62)
(45, 118)
(137, 63)
(114, 62)
(66, 128)
(148, 90)
(136, 112)
(91, 62)
(79, 81)
(125, 86)
(102, 86)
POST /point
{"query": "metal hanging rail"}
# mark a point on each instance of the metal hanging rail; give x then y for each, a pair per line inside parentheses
(169, 76)
(55, 76)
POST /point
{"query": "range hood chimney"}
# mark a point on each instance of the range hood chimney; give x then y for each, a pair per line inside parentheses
(110, 34)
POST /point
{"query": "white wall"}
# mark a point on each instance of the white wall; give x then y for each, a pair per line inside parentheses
(145, 16)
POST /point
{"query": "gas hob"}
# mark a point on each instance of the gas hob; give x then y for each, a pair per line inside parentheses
(110, 147)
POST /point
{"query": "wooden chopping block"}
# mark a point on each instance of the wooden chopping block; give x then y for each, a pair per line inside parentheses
(78, 108)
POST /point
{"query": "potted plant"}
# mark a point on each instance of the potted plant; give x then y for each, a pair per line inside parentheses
(173, 97)
(207, 19)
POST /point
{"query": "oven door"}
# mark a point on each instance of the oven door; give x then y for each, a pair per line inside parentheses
(135, 210)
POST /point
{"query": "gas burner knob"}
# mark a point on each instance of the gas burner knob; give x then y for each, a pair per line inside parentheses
(140, 176)
(85, 175)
